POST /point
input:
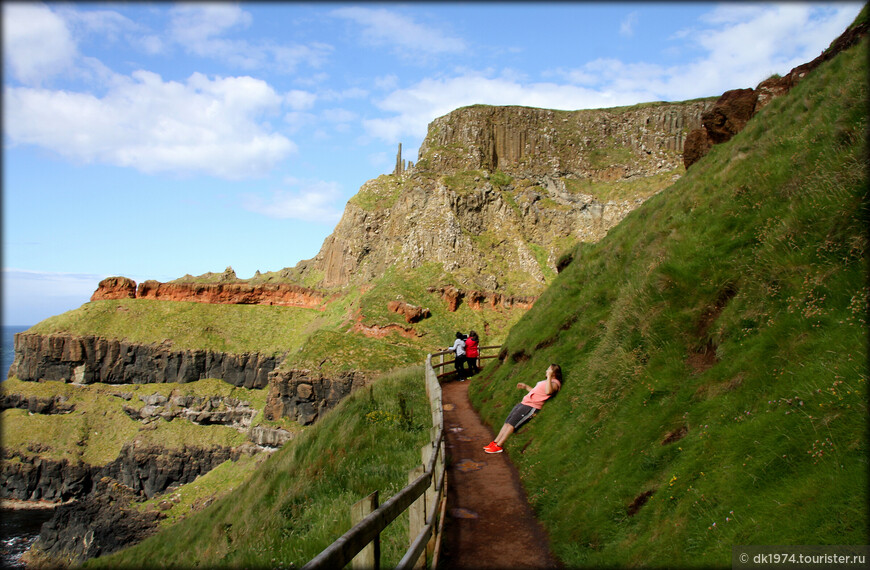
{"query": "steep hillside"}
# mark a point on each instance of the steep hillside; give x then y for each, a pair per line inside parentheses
(715, 352)
(299, 500)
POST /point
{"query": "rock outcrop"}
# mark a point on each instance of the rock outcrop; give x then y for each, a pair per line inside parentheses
(146, 470)
(33, 478)
(302, 395)
(103, 519)
(478, 300)
(150, 470)
(734, 108)
(115, 288)
(527, 142)
(35, 405)
(89, 359)
(235, 293)
(216, 410)
(499, 192)
(101, 524)
(269, 437)
(412, 313)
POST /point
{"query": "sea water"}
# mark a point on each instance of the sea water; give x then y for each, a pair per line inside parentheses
(8, 348)
(18, 528)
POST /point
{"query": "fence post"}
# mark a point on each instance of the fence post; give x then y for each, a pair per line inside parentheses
(432, 492)
(369, 557)
(417, 510)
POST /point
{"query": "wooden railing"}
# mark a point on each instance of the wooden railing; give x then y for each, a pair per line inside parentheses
(443, 353)
(424, 498)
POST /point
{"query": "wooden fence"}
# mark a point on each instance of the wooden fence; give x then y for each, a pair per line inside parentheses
(443, 353)
(425, 500)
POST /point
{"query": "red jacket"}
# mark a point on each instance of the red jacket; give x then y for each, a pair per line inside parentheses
(471, 348)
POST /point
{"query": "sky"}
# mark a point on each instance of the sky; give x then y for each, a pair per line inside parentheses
(154, 140)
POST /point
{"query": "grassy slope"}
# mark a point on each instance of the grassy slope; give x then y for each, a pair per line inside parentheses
(98, 428)
(307, 338)
(299, 500)
(757, 254)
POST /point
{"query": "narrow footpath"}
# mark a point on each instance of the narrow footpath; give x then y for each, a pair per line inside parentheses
(489, 521)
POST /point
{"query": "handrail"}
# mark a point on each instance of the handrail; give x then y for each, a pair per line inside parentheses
(345, 548)
(443, 362)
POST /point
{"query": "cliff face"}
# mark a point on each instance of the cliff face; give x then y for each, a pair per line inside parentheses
(282, 294)
(499, 192)
(89, 359)
(734, 108)
(300, 395)
(303, 395)
(527, 142)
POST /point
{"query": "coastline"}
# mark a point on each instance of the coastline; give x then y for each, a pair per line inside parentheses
(18, 505)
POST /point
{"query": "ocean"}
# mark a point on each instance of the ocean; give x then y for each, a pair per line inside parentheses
(18, 531)
(18, 528)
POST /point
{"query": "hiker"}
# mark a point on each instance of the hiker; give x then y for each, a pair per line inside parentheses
(531, 403)
(472, 344)
(459, 362)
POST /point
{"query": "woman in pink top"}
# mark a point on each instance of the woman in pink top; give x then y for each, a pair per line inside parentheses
(531, 403)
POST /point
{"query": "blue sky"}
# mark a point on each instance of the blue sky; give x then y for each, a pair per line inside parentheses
(152, 140)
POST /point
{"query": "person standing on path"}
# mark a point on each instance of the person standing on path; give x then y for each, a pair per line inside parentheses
(530, 404)
(471, 353)
(459, 349)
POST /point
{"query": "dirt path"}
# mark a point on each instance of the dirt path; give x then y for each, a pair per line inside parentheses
(489, 522)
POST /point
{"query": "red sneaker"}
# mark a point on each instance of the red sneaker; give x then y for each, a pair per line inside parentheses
(493, 448)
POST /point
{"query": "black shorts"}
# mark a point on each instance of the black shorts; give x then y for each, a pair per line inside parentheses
(520, 415)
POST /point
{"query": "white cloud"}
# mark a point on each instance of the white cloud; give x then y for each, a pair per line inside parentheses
(211, 126)
(196, 27)
(32, 296)
(408, 38)
(37, 45)
(313, 201)
(50, 284)
(200, 30)
(419, 104)
(300, 100)
(386, 82)
(626, 27)
(741, 46)
(106, 24)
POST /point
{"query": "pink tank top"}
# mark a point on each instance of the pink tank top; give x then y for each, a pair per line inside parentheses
(538, 395)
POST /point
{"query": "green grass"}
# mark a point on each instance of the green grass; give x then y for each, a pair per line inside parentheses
(759, 255)
(195, 496)
(606, 191)
(378, 194)
(439, 330)
(235, 329)
(96, 430)
(298, 502)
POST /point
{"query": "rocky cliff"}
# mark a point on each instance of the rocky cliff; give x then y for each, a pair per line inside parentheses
(235, 293)
(89, 359)
(300, 395)
(103, 518)
(303, 395)
(499, 192)
(729, 115)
